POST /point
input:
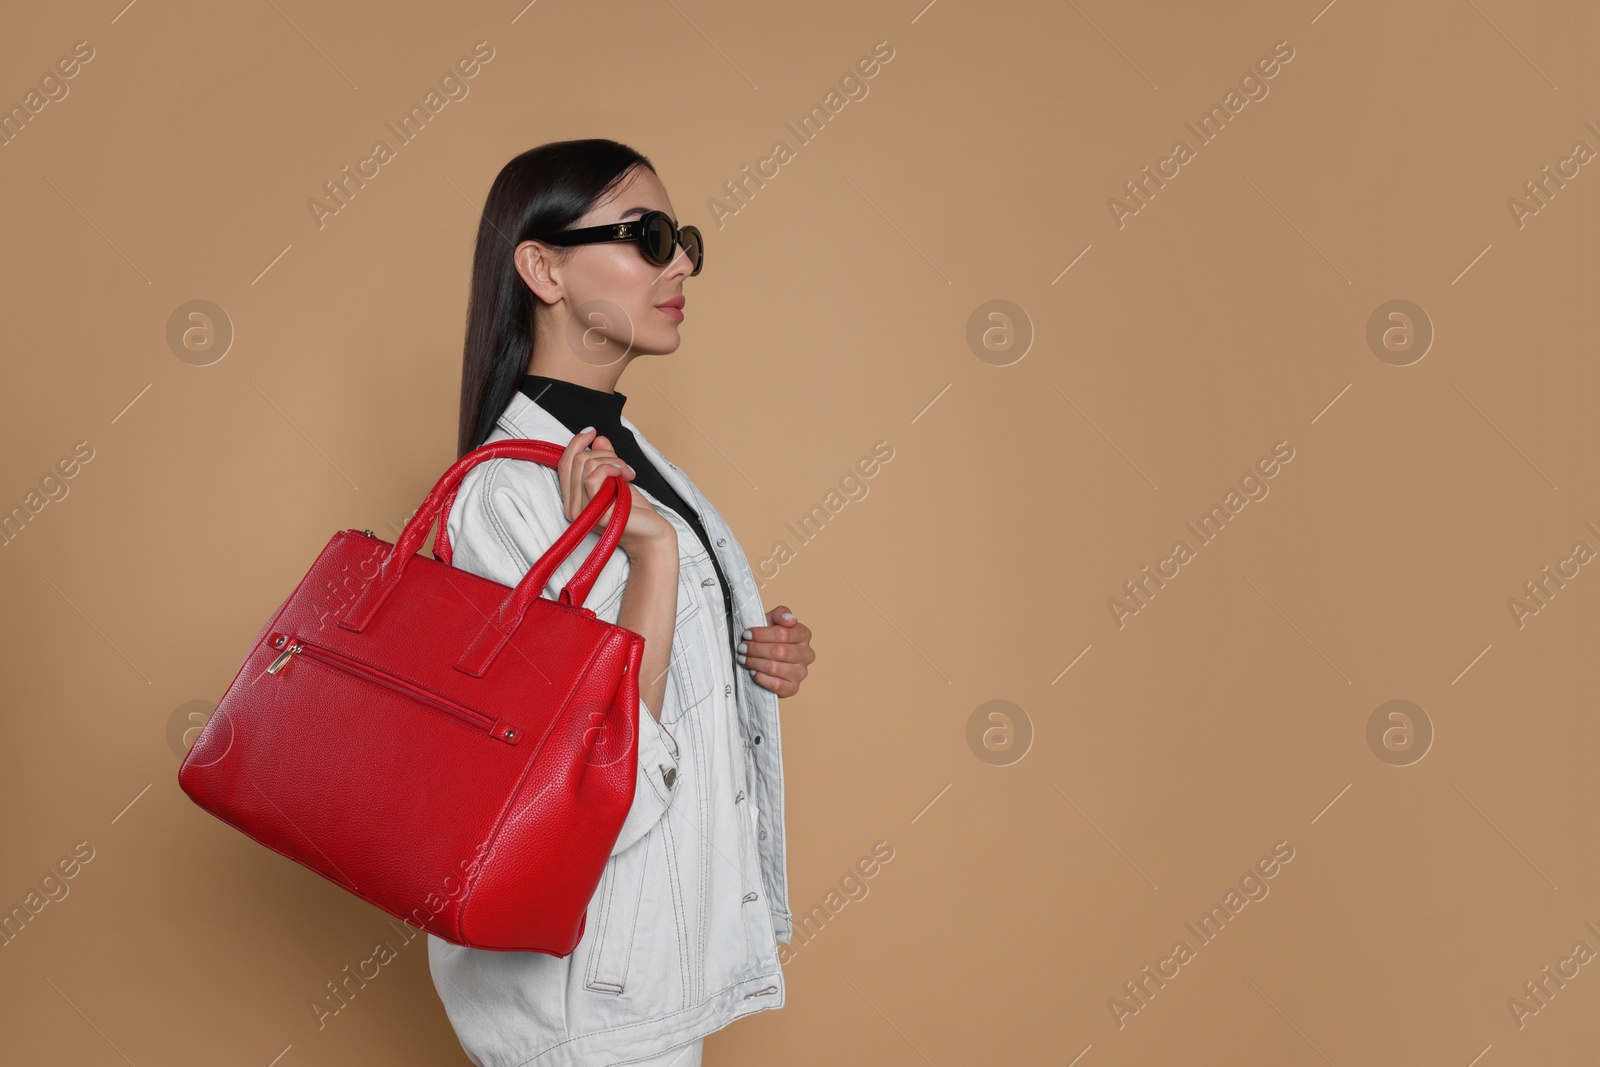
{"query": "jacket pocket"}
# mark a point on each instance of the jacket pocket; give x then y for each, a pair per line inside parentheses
(617, 917)
(690, 673)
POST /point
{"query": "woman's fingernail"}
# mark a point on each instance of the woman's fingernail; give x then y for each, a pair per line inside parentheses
(741, 659)
(745, 635)
(742, 648)
(586, 429)
(786, 615)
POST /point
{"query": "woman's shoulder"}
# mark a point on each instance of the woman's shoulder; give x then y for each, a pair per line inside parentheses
(508, 502)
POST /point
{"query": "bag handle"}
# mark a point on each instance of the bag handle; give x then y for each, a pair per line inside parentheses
(498, 628)
(548, 454)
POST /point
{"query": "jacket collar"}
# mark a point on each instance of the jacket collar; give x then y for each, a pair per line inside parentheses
(524, 418)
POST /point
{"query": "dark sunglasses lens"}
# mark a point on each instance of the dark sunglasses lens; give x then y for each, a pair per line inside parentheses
(692, 247)
(658, 238)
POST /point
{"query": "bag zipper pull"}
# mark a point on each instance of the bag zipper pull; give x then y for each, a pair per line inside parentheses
(283, 657)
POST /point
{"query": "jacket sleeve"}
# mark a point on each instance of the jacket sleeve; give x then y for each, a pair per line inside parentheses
(506, 515)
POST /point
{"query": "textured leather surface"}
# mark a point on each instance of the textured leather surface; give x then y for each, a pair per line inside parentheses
(479, 807)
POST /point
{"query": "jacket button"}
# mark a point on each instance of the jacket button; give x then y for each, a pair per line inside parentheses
(708, 581)
(727, 690)
(670, 775)
(762, 835)
(721, 541)
(758, 739)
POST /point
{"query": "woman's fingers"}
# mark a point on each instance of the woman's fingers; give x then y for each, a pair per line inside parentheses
(778, 651)
(600, 467)
(598, 463)
(794, 671)
(602, 456)
(778, 655)
(570, 471)
(782, 686)
(586, 462)
(596, 479)
(789, 631)
(597, 471)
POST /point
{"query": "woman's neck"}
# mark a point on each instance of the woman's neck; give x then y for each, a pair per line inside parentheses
(578, 372)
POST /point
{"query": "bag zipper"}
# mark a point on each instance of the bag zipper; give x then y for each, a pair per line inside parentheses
(496, 728)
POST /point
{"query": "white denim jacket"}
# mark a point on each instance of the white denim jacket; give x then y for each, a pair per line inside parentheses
(682, 933)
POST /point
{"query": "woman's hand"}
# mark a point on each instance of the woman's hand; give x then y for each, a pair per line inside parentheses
(585, 465)
(778, 653)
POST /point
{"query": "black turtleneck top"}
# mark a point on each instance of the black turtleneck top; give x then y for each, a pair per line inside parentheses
(577, 406)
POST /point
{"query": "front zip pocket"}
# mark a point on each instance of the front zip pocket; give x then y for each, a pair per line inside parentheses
(292, 646)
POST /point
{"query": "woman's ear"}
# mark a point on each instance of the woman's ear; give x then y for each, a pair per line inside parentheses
(537, 267)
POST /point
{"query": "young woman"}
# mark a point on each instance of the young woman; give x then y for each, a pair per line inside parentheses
(579, 268)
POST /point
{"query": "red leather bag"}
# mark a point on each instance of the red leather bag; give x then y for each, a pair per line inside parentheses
(459, 753)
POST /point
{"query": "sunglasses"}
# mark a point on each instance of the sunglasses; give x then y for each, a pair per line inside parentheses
(654, 232)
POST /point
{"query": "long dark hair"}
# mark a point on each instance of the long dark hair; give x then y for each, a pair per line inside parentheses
(540, 192)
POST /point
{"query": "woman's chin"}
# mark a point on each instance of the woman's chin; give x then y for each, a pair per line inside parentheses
(660, 343)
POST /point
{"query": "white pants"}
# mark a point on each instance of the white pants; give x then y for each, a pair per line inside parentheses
(682, 1056)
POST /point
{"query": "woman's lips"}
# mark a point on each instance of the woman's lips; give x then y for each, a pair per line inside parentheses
(675, 313)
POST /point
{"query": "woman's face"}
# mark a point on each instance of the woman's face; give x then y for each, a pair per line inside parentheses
(607, 297)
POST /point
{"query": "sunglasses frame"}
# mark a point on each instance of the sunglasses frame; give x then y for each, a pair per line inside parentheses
(634, 230)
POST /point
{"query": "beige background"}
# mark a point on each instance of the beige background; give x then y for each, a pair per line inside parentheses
(1229, 314)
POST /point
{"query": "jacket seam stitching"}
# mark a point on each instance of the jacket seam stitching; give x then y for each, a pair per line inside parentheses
(633, 932)
(593, 975)
(501, 534)
(657, 1021)
(707, 847)
(605, 925)
(684, 974)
